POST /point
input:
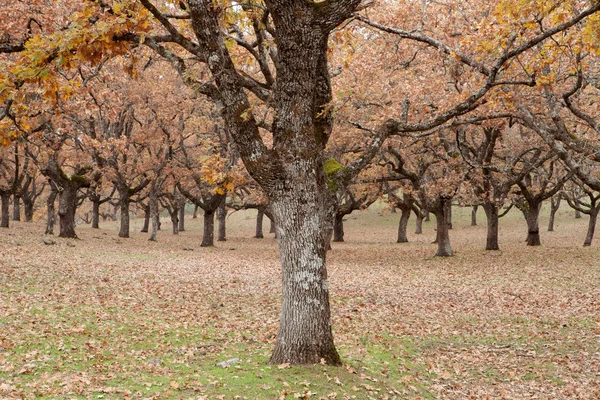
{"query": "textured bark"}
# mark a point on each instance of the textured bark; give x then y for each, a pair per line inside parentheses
(338, 228)
(146, 218)
(403, 225)
(259, 224)
(427, 218)
(153, 215)
(222, 220)
(591, 227)
(491, 213)
(4, 219)
(16, 208)
(181, 226)
(51, 217)
(175, 221)
(554, 206)
(448, 214)
(532, 216)
(209, 229)
(96, 213)
(124, 206)
(28, 210)
(195, 215)
(443, 236)
(67, 206)
(272, 228)
(474, 215)
(419, 224)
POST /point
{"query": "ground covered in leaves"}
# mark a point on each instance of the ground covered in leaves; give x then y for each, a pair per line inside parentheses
(103, 317)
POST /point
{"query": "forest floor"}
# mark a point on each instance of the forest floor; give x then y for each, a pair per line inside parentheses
(104, 317)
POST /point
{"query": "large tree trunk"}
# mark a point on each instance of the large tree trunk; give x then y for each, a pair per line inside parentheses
(96, 213)
(222, 220)
(554, 206)
(591, 226)
(28, 209)
(419, 226)
(4, 220)
(16, 208)
(448, 213)
(67, 206)
(146, 218)
(338, 228)
(182, 216)
(259, 224)
(209, 229)
(474, 215)
(124, 205)
(443, 236)
(491, 213)
(532, 216)
(51, 217)
(305, 335)
(403, 224)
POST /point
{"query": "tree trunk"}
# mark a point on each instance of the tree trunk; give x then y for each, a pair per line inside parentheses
(427, 218)
(305, 335)
(259, 224)
(175, 220)
(338, 228)
(124, 205)
(532, 216)
(419, 227)
(16, 208)
(146, 218)
(51, 217)
(577, 214)
(403, 225)
(209, 229)
(591, 226)
(491, 213)
(448, 213)
(474, 215)
(28, 209)
(554, 206)
(181, 226)
(114, 213)
(96, 213)
(443, 237)
(4, 221)
(153, 214)
(195, 215)
(67, 206)
(222, 219)
(273, 228)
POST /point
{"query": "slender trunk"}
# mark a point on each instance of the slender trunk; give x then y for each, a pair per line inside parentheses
(443, 237)
(124, 205)
(259, 224)
(403, 225)
(96, 213)
(146, 218)
(181, 226)
(5, 210)
(338, 228)
(272, 228)
(532, 216)
(577, 214)
(427, 218)
(554, 206)
(591, 226)
(393, 210)
(28, 209)
(67, 206)
(51, 217)
(209, 229)
(419, 227)
(175, 220)
(195, 215)
(491, 213)
(222, 218)
(305, 335)
(114, 213)
(474, 215)
(153, 214)
(16, 208)
(448, 213)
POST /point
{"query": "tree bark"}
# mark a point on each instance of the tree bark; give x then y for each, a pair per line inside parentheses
(577, 214)
(554, 206)
(209, 229)
(153, 214)
(403, 225)
(448, 213)
(591, 226)
(491, 213)
(28, 210)
(419, 224)
(51, 217)
(124, 206)
(474, 215)
(532, 216)
(146, 218)
(195, 215)
(427, 218)
(443, 236)
(67, 206)
(4, 219)
(222, 219)
(273, 228)
(175, 221)
(16, 208)
(259, 224)
(182, 216)
(338, 228)
(96, 213)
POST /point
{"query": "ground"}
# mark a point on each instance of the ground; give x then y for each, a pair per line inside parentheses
(104, 317)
